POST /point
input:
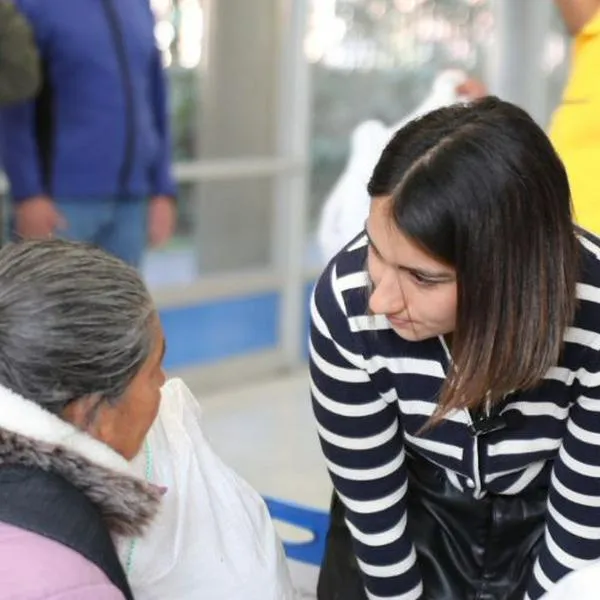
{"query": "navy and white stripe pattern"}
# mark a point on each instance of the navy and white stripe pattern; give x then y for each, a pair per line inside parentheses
(372, 392)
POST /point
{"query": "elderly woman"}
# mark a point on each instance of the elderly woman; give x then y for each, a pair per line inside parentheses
(106, 492)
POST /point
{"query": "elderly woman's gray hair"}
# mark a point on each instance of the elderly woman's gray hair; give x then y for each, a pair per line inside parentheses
(74, 322)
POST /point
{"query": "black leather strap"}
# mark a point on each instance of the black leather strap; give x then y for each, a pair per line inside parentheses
(49, 505)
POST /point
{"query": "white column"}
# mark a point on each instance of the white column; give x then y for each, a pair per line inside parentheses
(292, 189)
(238, 121)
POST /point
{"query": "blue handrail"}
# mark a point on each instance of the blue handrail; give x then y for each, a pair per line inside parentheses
(313, 520)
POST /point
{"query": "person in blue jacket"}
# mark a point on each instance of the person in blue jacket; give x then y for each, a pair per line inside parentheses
(89, 158)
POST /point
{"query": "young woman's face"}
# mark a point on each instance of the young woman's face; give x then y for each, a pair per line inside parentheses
(414, 291)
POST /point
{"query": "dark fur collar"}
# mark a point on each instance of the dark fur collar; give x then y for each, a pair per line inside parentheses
(30, 436)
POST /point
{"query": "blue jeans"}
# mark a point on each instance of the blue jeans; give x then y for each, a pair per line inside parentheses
(118, 225)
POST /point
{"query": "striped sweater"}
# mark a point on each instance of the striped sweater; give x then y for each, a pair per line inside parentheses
(372, 392)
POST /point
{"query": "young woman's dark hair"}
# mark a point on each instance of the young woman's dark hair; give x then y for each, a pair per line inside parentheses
(480, 188)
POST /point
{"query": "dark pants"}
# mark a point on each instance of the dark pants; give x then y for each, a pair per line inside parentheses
(467, 549)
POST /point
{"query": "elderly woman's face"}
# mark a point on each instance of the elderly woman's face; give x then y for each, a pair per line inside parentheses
(124, 424)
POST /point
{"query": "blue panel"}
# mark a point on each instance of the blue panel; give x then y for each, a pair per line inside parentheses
(212, 331)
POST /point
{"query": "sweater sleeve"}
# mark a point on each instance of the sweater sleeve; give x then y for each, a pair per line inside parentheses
(361, 439)
(572, 535)
(163, 180)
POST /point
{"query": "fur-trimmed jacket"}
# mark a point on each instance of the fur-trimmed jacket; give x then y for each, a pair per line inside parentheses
(185, 525)
(33, 567)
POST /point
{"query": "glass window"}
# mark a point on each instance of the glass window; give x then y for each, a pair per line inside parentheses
(223, 108)
(555, 61)
(224, 226)
(179, 33)
(377, 59)
(212, 96)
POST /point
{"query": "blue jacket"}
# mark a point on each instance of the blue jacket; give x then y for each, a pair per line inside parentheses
(99, 128)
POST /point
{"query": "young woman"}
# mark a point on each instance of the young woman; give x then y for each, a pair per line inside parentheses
(455, 366)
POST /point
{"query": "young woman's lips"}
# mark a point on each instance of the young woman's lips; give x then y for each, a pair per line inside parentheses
(399, 321)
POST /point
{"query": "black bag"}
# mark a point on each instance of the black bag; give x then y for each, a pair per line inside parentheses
(467, 549)
(47, 504)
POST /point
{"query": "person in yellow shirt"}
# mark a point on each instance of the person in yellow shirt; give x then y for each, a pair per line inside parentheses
(575, 125)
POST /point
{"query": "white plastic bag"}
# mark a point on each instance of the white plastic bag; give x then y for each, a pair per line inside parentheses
(582, 584)
(346, 208)
(214, 538)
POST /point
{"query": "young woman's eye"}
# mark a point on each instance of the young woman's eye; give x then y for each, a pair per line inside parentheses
(373, 250)
(423, 281)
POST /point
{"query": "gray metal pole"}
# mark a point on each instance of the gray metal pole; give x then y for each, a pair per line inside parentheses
(292, 190)
(516, 66)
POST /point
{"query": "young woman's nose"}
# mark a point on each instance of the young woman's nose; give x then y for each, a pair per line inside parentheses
(387, 297)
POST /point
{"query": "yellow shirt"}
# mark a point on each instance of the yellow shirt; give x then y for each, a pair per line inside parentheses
(575, 126)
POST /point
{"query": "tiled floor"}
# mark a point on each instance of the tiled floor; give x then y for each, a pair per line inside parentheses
(266, 432)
